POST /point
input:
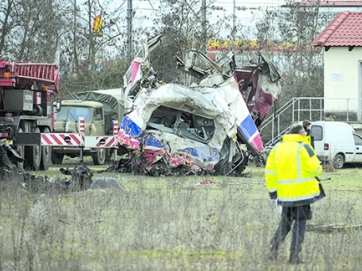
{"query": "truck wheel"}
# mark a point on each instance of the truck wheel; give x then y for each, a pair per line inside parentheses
(338, 161)
(21, 150)
(99, 157)
(46, 152)
(57, 158)
(33, 155)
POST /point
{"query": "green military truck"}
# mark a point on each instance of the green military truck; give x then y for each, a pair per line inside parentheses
(99, 108)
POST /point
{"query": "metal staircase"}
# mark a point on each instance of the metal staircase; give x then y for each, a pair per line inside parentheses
(301, 108)
(295, 110)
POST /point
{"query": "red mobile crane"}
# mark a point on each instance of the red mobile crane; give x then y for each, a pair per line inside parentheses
(27, 93)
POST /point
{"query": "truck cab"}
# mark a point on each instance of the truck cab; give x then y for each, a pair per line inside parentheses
(67, 121)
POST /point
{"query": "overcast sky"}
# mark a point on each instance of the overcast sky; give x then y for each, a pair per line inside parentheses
(145, 7)
(146, 10)
(228, 4)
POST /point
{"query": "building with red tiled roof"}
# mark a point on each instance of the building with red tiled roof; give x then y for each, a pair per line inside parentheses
(344, 30)
(342, 43)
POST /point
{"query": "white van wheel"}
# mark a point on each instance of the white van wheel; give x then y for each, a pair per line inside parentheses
(338, 161)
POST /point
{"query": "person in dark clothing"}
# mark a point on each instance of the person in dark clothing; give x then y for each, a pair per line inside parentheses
(306, 126)
(291, 178)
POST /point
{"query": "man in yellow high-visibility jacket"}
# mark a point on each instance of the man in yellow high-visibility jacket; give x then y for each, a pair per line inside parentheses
(291, 174)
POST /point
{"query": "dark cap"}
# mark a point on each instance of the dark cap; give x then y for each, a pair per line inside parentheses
(306, 123)
(295, 129)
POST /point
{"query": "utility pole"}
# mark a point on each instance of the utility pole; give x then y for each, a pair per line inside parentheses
(129, 28)
(233, 31)
(204, 39)
(75, 38)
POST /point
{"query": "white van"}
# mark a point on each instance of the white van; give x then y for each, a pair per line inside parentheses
(337, 142)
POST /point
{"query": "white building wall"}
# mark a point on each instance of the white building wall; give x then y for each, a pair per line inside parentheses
(341, 79)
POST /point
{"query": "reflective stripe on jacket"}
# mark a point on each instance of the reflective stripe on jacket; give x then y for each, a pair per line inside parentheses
(290, 171)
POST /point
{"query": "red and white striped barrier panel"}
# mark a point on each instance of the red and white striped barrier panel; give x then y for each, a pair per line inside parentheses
(81, 125)
(103, 141)
(79, 140)
(67, 139)
(115, 128)
(100, 142)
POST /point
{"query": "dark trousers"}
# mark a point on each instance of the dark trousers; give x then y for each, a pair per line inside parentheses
(299, 215)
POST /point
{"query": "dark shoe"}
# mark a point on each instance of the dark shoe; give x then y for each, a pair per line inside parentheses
(294, 259)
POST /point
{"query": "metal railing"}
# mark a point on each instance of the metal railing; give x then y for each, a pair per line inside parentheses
(301, 108)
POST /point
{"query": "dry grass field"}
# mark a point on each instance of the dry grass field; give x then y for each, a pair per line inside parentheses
(170, 223)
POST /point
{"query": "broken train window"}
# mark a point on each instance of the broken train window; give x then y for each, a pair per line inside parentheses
(182, 123)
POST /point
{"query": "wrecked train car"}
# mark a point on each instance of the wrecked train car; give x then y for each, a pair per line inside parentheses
(172, 129)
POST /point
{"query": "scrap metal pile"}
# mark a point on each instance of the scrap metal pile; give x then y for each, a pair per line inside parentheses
(208, 128)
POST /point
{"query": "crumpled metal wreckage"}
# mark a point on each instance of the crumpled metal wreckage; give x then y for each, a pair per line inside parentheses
(208, 128)
(9, 158)
(81, 176)
(170, 129)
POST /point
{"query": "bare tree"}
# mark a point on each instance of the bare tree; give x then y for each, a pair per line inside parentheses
(62, 31)
(285, 34)
(7, 24)
(35, 34)
(304, 72)
(289, 32)
(183, 27)
(92, 55)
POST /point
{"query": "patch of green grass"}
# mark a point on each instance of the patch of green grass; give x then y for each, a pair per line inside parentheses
(170, 223)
